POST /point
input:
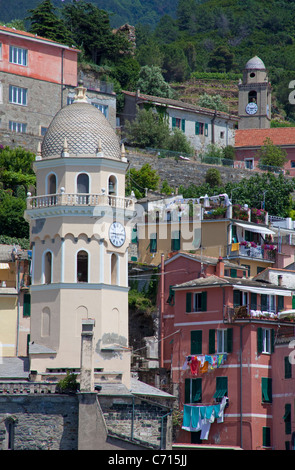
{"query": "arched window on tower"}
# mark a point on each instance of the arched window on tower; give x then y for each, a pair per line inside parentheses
(47, 267)
(252, 96)
(82, 266)
(112, 186)
(114, 269)
(83, 188)
(51, 188)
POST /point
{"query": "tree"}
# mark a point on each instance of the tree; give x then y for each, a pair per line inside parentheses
(12, 222)
(212, 102)
(178, 142)
(16, 169)
(222, 60)
(148, 129)
(271, 156)
(90, 29)
(213, 177)
(151, 82)
(45, 23)
(175, 63)
(140, 180)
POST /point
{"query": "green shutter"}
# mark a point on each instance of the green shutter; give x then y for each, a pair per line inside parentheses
(229, 332)
(175, 241)
(183, 125)
(253, 301)
(288, 368)
(27, 305)
(197, 128)
(173, 122)
(188, 302)
(187, 390)
(153, 243)
(233, 273)
(293, 301)
(206, 129)
(196, 342)
(280, 303)
(266, 436)
(211, 342)
(171, 299)
(196, 390)
(263, 302)
(204, 301)
(259, 340)
(287, 418)
(237, 298)
(134, 235)
(266, 389)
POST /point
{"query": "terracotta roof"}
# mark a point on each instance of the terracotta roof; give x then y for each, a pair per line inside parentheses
(180, 104)
(256, 137)
(30, 36)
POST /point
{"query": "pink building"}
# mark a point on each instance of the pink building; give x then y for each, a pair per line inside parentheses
(220, 337)
(249, 141)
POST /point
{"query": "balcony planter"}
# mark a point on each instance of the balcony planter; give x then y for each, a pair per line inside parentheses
(258, 216)
(240, 212)
(218, 213)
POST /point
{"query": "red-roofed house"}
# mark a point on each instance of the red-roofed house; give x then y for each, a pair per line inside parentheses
(249, 141)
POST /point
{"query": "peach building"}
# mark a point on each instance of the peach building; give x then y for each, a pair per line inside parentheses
(38, 77)
(221, 346)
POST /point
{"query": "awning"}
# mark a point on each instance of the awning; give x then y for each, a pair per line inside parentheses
(287, 313)
(256, 228)
(264, 290)
(4, 266)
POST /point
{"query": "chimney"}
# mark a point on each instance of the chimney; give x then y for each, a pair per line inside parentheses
(220, 267)
(86, 369)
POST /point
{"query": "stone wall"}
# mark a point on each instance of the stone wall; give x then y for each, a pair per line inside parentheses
(39, 422)
(181, 172)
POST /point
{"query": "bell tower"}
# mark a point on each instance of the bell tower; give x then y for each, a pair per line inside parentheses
(254, 96)
(79, 235)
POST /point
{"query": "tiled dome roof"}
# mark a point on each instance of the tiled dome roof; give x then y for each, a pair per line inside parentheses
(84, 127)
(255, 63)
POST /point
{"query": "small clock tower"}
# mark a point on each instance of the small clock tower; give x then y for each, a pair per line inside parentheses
(79, 236)
(254, 96)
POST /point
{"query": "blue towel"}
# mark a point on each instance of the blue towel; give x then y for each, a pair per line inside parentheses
(202, 411)
(195, 416)
(216, 410)
(209, 411)
(186, 416)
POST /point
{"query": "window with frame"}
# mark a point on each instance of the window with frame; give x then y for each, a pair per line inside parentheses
(224, 340)
(18, 55)
(179, 123)
(82, 266)
(102, 107)
(196, 302)
(193, 390)
(17, 127)
(265, 340)
(266, 436)
(18, 95)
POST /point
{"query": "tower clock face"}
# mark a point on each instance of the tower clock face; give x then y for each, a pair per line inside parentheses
(251, 108)
(117, 234)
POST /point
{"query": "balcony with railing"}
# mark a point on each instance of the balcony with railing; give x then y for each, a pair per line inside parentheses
(253, 250)
(233, 313)
(78, 199)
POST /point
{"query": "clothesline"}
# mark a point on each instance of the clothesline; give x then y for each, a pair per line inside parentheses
(202, 363)
(200, 417)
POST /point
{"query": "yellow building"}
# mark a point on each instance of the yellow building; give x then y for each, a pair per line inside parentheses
(14, 301)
